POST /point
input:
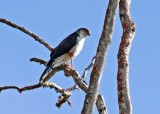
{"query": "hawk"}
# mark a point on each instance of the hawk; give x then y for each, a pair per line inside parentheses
(68, 49)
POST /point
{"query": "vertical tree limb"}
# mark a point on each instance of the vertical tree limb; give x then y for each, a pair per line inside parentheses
(125, 106)
(103, 46)
(100, 103)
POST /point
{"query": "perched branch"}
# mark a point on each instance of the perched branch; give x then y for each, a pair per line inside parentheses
(83, 76)
(77, 78)
(40, 40)
(125, 106)
(86, 70)
(103, 46)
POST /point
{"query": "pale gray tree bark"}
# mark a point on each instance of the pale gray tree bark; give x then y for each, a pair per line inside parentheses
(124, 101)
(103, 46)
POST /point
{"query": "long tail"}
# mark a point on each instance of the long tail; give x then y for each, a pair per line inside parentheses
(50, 65)
(44, 74)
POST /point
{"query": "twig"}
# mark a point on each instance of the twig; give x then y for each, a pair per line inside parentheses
(41, 61)
(89, 66)
(73, 88)
(65, 94)
(124, 101)
(40, 40)
(104, 42)
(62, 99)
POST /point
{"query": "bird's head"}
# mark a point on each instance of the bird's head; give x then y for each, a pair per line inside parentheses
(84, 31)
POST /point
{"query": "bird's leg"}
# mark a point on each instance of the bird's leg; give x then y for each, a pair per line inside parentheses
(72, 63)
(68, 64)
(71, 56)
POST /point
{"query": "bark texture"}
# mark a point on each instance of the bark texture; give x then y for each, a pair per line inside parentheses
(103, 46)
(124, 101)
(101, 105)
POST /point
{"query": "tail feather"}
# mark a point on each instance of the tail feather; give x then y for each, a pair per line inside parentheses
(44, 74)
(50, 65)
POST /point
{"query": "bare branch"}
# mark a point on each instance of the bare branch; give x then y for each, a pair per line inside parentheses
(103, 46)
(20, 90)
(86, 70)
(41, 61)
(40, 40)
(65, 94)
(46, 84)
(57, 88)
(77, 78)
(124, 101)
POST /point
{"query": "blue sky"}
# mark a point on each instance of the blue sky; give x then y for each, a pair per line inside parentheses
(53, 20)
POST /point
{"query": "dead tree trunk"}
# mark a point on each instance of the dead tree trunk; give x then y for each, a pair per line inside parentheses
(124, 101)
(103, 46)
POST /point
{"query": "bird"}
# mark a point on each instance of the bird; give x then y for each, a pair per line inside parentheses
(68, 49)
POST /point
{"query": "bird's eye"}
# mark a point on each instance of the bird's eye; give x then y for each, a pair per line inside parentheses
(86, 31)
